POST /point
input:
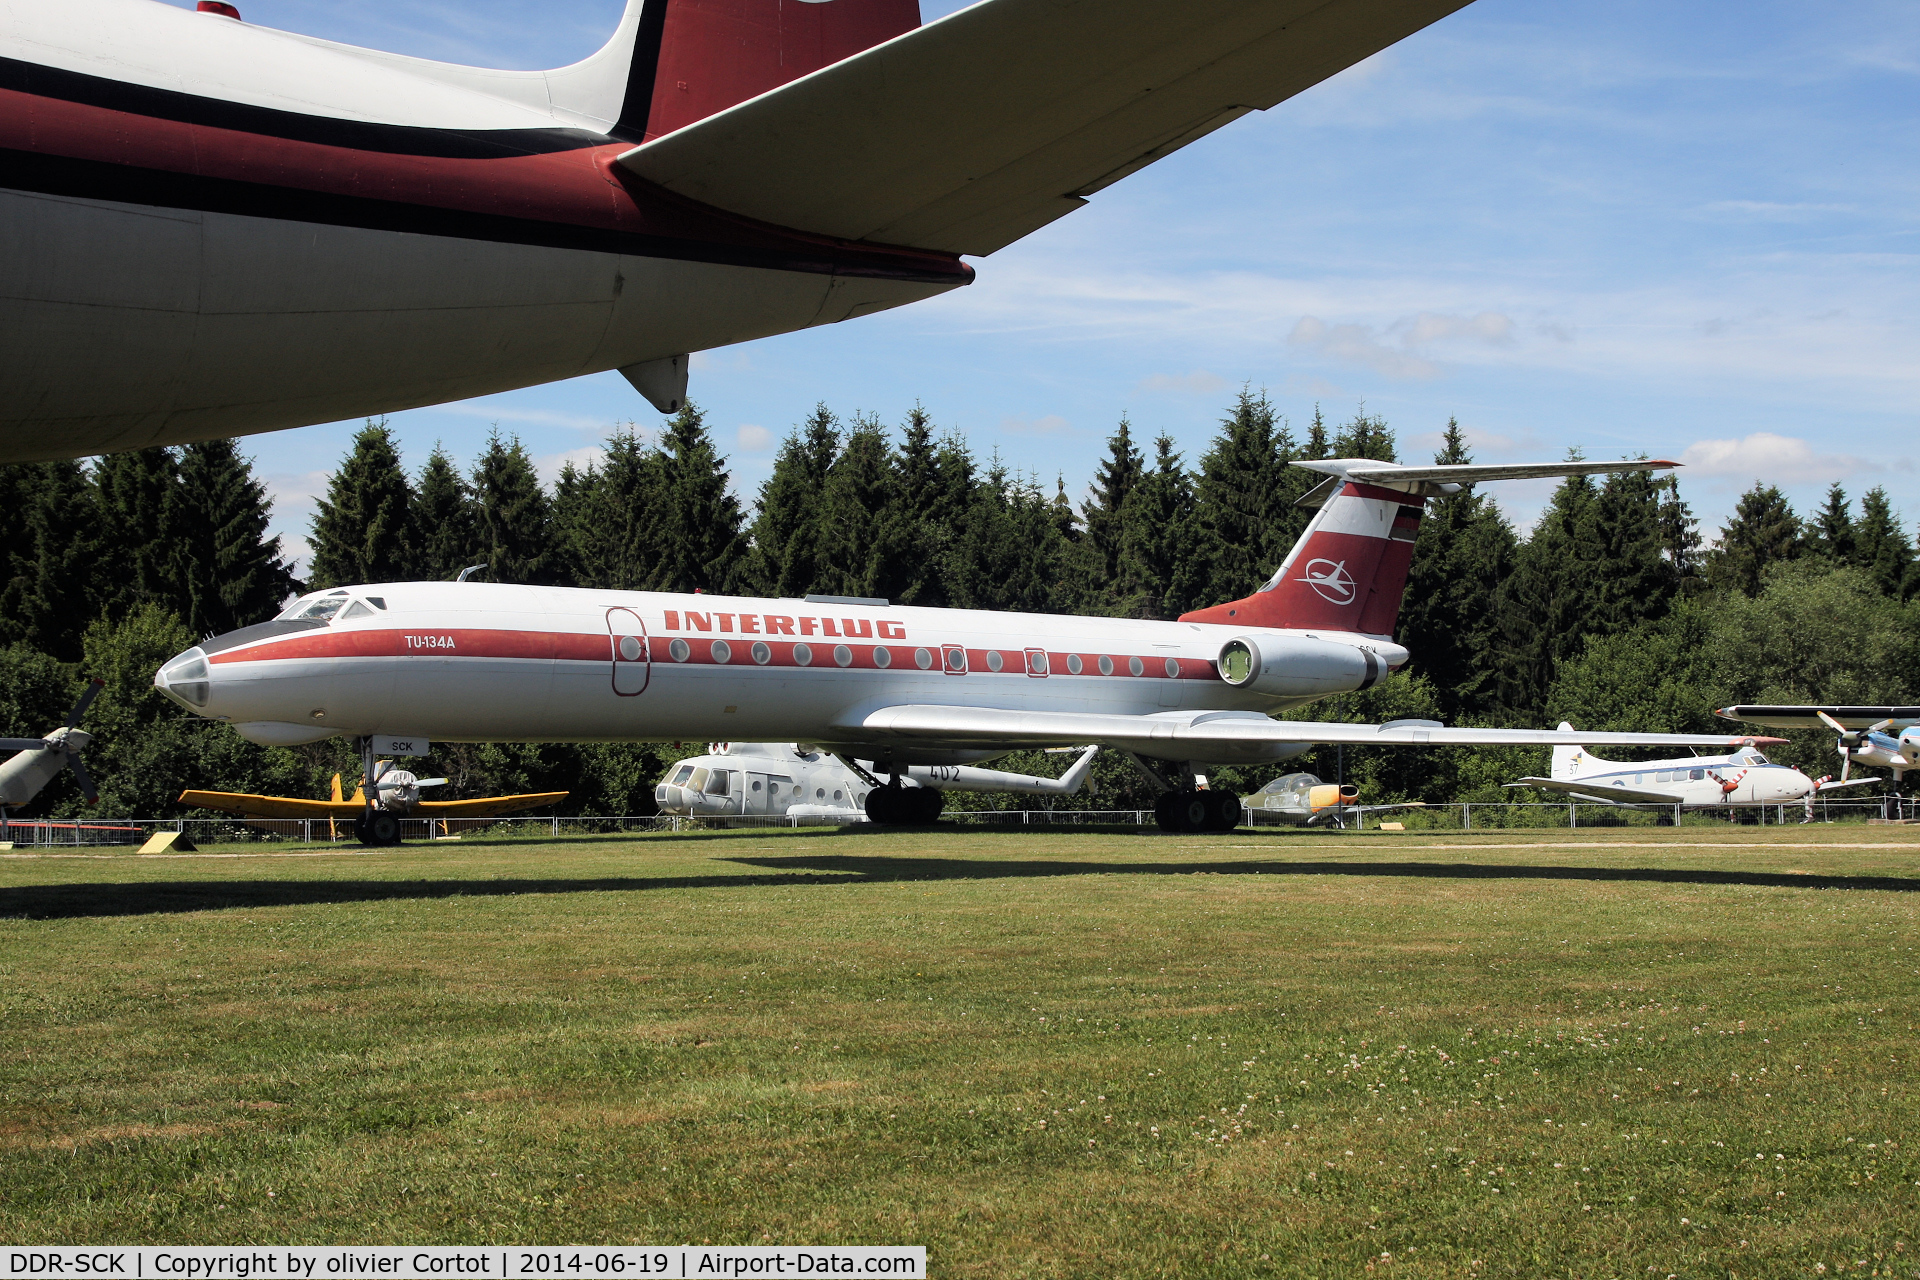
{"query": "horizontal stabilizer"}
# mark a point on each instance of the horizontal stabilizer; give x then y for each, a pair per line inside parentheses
(1608, 794)
(968, 133)
(1217, 737)
(1432, 481)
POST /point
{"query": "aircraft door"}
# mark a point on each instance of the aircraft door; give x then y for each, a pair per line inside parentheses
(632, 665)
(756, 796)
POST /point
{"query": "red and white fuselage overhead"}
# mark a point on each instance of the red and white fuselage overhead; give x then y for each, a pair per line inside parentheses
(210, 228)
(897, 686)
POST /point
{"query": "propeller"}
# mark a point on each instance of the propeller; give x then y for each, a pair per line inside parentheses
(1850, 738)
(62, 740)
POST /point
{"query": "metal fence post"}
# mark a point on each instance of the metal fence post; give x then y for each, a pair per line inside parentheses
(1466, 817)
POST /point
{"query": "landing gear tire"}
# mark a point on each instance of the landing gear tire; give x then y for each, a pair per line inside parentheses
(1224, 810)
(885, 806)
(380, 829)
(925, 804)
(1183, 812)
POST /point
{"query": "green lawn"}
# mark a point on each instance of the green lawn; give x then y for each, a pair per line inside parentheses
(1630, 1053)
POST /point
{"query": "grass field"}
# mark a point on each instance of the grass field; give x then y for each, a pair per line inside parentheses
(1625, 1053)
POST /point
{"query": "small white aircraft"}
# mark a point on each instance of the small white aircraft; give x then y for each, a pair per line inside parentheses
(788, 779)
(40, 760)
(1302, 800)
(1884, 737)
(897, 686)
(209, 227)
(1744, 777)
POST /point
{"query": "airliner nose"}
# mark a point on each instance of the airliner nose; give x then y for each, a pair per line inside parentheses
(185, 679)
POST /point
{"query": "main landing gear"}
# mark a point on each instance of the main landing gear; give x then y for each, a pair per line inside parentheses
(377, 828)
(1191, 811)
(899, 806)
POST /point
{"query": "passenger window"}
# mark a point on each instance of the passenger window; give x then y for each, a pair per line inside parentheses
(756, 785)
(1696, 774)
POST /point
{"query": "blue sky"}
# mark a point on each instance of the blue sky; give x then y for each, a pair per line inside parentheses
(1685, 230)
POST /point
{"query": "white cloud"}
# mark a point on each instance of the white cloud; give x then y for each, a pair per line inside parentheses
(1764, 456)
(1052, 424)
(755, 439)
(548, 465)
(1357, 344)
(1197, 383)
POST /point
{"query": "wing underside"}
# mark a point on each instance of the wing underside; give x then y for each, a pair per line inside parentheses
(1608, 794)
(968, 133)
(1213, 737)
(252, 806)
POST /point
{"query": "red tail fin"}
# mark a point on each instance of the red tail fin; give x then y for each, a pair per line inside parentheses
(1346, 573)
(694, 58)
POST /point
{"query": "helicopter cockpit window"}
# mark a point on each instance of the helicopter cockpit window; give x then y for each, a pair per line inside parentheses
(316, 608)
(680, 778)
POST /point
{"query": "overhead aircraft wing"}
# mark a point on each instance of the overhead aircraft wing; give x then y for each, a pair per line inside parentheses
(1604, 795)
(1808, 717)
(489, 807)
(249, 806)
(974, 130)
(1212, 736)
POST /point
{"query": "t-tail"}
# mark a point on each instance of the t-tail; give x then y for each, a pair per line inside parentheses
(672, 63)
(1349, 569)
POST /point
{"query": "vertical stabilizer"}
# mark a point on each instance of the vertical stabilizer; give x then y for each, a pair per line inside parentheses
(1570, 763)
(1347, 571)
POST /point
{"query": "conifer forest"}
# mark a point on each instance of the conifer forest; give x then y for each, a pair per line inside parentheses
(1614, 611)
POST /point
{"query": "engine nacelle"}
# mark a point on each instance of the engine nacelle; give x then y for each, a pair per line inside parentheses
(1297, 666)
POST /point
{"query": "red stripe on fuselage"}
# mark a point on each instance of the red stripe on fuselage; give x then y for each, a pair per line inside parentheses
(572, 188)
(576, 646)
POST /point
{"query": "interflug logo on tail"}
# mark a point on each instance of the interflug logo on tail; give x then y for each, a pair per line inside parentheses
(1330, 580)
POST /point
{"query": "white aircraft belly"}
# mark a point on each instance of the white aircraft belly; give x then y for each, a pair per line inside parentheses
(221, 323)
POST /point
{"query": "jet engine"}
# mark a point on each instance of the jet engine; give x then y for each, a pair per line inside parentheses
(1299, 666)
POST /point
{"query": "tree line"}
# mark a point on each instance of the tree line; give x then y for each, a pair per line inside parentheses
(1610, 611)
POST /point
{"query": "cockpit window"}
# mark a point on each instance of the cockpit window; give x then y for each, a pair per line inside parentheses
(316, 608)
(356, 610)
(1754, 757)
(686, 771)
(717, 785)
(378, 602)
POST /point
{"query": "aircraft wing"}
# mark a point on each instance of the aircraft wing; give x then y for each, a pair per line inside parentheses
(248, 806)
(1604, 795)
(1808, 717)
(1220, 737)
(972, 131)
(1867, 780)
(490, 807)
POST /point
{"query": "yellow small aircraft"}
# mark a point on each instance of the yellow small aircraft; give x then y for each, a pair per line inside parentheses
(397, 796)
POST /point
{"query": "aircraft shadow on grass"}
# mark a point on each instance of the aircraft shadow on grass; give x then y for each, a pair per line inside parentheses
(80, 901)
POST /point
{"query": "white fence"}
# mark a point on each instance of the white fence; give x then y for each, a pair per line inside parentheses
(95, 832)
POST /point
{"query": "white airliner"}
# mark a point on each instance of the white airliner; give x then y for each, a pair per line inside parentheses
(1744, 777)
(777, 779)
(210, 228)
(892, 685)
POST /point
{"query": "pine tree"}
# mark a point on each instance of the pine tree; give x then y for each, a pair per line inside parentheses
(1630, 580)
(232, 573)
(933, 490)
(1545, 601)
(1009, 553)
(1449, 616)
(17, 485)
(1118, 474)
(515, 516)
(1159, 577)
(1831, 532)
(1680, 537)
(607, 516)
(1367, 436)
(1244, 497)
(361, 528)
(1881, 548)
(701, 543)
(137, 495)
(57, 573)
(785, 557)
(1316, 438)
(444, 534)
(1763, 532)
(852, 515)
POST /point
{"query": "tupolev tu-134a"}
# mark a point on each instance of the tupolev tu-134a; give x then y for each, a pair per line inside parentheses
(897, 686)
(209, 227)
